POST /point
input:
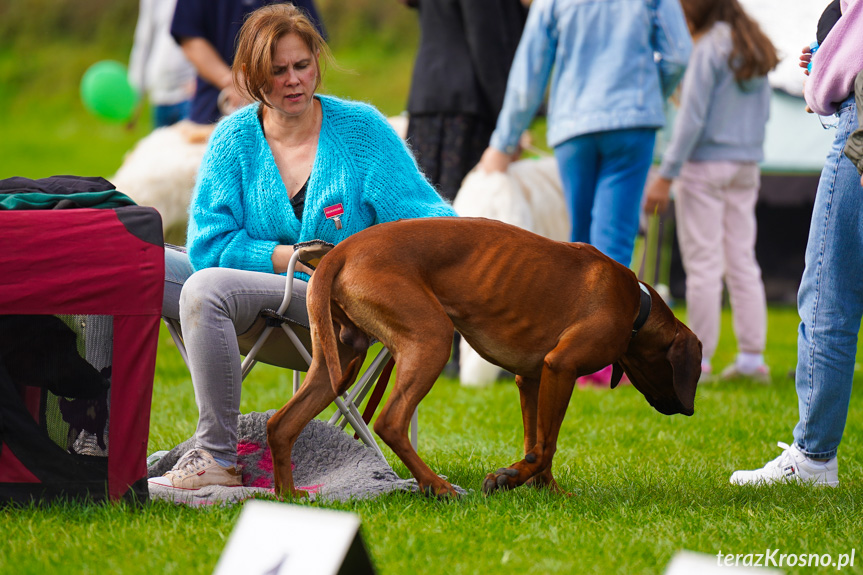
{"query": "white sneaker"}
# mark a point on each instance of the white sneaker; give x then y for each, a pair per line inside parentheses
(792, 465)
(197, 469)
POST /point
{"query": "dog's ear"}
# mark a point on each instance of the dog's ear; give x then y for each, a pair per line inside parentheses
(616, 374)
(684, 355)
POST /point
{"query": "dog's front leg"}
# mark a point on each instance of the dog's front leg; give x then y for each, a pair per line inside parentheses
(285, 426)
(528, 389)
(544, 405)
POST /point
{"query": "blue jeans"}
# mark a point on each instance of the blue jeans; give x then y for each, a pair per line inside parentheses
(214, 306)
(603, 177)
(171, 113)
(830, 300)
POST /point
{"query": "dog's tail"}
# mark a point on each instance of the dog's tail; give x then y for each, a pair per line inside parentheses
(320, 304)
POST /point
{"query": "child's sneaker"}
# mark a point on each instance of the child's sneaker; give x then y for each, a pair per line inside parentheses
(760, 374)
(792, 465)
(707, 375)
(197, 469)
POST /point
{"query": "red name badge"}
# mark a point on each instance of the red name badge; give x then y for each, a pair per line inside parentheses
(334, 213)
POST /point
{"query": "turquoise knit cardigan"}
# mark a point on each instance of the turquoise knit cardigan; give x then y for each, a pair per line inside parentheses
(240, 210)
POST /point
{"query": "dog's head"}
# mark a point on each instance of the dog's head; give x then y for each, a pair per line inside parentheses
(666, 374)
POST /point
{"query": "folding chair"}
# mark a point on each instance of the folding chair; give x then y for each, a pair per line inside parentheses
(290, 347)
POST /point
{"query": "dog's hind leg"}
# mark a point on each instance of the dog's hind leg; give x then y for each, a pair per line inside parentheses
(285, 425)
(419, 364)
(551, 398)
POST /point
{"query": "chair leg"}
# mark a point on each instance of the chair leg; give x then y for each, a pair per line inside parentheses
(174, 329)
(352, 415)
(363, 385)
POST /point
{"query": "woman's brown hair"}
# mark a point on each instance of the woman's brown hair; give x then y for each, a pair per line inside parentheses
(752, 52)
(253, 63)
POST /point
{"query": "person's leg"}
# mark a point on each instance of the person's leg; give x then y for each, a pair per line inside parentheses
(578, 161)
(742, 272)
(424, 137)
(830, 301)
(464, 138)
(698, 209)
(177, 271)
(168, 114)
(625, 159)
(216, 305)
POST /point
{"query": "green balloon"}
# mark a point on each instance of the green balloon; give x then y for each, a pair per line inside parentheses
(107, 93)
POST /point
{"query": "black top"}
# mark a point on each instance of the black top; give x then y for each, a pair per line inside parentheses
(828, 18)
(465, 52)
(298, 202)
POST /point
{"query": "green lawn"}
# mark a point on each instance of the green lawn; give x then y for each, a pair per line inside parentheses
(644, 485)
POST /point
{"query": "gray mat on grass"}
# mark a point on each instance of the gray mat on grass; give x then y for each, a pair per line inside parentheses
(327, 461)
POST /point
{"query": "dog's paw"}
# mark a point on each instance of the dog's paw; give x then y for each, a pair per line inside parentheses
(546, 481)
(503, 478)
(290, 494)
(445, 491)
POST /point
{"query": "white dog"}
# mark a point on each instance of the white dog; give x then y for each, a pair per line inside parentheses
(160, 170)
(529, 196)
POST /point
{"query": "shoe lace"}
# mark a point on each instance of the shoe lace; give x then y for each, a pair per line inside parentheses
(191, 462)
(784, 460)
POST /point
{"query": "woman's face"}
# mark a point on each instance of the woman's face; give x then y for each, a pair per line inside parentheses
(295, 72)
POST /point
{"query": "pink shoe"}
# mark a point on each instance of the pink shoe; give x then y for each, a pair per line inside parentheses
(601, 378)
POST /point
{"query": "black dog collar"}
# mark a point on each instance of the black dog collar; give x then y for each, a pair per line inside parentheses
(643, 311)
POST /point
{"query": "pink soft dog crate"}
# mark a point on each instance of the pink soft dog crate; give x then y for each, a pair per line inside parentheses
(80, 305)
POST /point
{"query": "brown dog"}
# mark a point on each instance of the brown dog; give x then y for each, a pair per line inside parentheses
(547, 311)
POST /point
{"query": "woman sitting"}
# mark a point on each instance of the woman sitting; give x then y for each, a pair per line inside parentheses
(269, 173)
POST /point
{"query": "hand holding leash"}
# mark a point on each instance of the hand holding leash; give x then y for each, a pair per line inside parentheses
(657, 196)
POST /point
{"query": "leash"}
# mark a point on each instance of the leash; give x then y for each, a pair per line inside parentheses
(644, 310)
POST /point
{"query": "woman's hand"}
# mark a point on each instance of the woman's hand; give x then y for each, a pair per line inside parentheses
(230, 100)
(657, 196)
(493, 160)
(282, 257)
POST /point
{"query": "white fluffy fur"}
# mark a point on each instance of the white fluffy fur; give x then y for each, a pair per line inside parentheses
(160, 170)
(529, 196)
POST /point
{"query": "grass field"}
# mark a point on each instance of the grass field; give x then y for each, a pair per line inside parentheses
(644, 485)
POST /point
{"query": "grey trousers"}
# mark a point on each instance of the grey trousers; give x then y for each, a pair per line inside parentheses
(214, 306)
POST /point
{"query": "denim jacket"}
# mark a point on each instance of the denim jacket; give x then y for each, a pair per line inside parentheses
(612, 64)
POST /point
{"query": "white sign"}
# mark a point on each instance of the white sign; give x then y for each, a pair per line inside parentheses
(281, 539)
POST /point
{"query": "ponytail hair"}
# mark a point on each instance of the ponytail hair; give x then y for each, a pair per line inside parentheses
(752, 52)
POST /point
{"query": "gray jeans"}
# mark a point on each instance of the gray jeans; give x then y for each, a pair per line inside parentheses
(214, 306)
